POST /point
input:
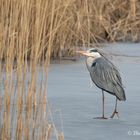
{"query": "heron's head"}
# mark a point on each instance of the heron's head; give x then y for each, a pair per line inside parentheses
(93, 52)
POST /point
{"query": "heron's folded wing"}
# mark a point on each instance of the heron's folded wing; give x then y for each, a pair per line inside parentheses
(106, 76)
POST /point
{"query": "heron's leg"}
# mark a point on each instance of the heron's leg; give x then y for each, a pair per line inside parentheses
(103, 105)
(103, 100)
(115, 110)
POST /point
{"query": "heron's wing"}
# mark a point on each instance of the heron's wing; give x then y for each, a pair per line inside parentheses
(106, 76)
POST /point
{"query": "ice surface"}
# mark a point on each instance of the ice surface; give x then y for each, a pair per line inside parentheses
(70, 93)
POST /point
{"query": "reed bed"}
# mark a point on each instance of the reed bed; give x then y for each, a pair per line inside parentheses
(32, 32)
(68, 23)
(24, 62)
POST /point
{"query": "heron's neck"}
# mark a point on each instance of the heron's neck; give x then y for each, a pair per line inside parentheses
(89, 62)
(96, 55)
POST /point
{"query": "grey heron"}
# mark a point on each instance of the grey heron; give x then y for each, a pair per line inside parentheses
(105, 76)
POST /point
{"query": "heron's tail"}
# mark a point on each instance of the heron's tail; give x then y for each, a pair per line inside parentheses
(120, 93)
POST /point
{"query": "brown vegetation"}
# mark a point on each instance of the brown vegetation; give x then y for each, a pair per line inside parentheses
(64, 24)
(35, 30)
(23, 98)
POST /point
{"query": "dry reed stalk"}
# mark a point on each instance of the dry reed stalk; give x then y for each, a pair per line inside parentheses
(133, 9)
(60, 136)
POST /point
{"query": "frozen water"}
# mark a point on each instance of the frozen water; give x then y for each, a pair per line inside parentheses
(70, 93)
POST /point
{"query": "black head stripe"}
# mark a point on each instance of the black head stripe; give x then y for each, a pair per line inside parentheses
(93, 50)
(93, 64)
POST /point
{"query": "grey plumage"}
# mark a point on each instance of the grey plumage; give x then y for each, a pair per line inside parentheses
(106, 76)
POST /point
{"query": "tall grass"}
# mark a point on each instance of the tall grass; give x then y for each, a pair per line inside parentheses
(32, 31)
(23, 97)
(65, 24)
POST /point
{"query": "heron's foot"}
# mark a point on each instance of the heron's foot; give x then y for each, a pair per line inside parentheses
(115, 113)
(102, 118)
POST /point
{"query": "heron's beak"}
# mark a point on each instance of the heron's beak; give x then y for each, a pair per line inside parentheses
(83, 53)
